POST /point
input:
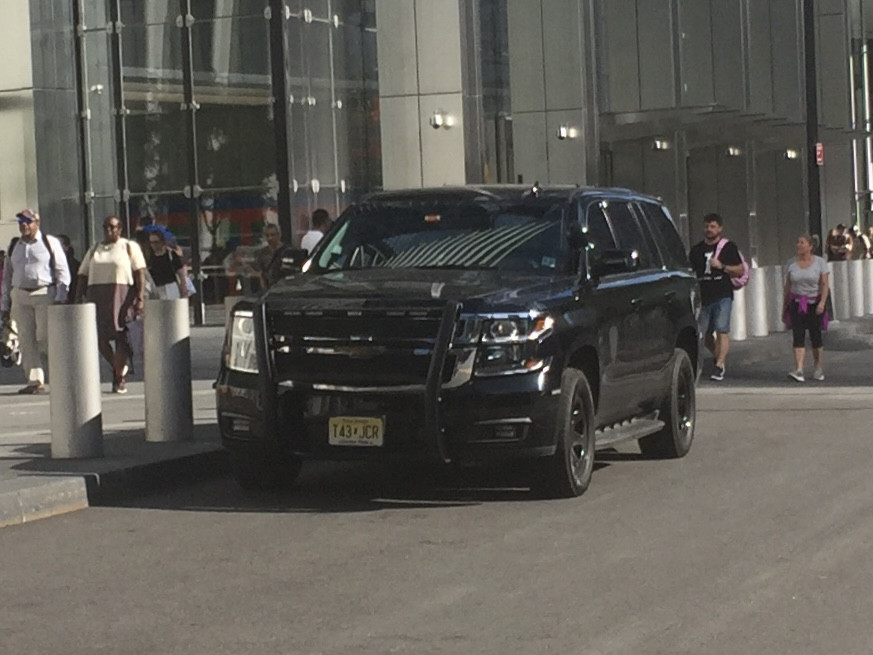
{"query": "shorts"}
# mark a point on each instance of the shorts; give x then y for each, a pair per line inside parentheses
(716, 317)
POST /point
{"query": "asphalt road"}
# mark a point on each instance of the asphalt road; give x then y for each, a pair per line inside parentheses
(759, 541)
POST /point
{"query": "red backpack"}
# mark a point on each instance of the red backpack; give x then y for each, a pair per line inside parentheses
(741, 280)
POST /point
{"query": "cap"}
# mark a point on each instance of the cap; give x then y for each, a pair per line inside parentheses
(27, 216)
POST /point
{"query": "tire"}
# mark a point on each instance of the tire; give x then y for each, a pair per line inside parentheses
(679, 413)
(567, 473)
(263, 471)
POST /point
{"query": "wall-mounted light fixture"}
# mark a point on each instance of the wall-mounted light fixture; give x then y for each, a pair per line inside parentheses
(567, 132)
(660, 143)
(441, 119)
(733, 151)
(791, 153)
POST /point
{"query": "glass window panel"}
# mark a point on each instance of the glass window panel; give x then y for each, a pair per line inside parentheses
(172, 210)
(359, 131)
(99, 103)
(231, 51)
(316, 37)
(232, 85)
(209, 9)
(230, 232)
(157, 140)
(355, 12)
(235, 144)
(153, 51)
(319, 8)
(295, 61)
(152, 12)
(321, 138)
(298, 143)
(95, 13)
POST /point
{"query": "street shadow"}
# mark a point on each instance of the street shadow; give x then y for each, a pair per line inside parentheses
(349, 487)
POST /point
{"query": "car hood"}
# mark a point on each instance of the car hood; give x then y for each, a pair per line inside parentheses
(477, 290)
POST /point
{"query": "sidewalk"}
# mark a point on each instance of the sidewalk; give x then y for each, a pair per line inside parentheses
(765, 361)
(33, 486)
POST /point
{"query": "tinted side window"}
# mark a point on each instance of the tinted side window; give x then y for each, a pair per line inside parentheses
(628, 232)
(672, 248)
(599, 232)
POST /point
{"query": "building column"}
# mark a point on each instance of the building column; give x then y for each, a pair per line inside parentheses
(421, 92)
(553, 89)
(18, 179)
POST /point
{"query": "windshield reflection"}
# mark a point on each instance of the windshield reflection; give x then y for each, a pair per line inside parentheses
(524, 238)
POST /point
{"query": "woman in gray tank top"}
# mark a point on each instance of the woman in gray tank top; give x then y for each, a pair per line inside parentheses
(805, 300)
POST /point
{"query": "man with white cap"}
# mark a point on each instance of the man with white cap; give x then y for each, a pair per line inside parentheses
(35, 275)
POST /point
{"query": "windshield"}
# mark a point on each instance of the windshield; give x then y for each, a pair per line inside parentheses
(525, 238)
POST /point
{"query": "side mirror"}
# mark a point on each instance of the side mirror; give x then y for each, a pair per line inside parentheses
(292, 260)
(611, 262)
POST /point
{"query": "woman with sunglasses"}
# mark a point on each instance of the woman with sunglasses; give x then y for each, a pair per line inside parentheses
(112, 276)
(166, 267)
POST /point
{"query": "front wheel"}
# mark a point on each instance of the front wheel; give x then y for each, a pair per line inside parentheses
(679, 413)
(567, 473)
(264, 471)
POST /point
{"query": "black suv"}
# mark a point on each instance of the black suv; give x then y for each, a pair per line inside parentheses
(466, 324)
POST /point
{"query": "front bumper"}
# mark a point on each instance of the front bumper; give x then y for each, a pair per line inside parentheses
(487, 419)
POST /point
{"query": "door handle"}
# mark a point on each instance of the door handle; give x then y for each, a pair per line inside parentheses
(635, 302)
(669, 295)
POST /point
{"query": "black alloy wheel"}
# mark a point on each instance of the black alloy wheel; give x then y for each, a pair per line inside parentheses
(567, 473)
(679, 413)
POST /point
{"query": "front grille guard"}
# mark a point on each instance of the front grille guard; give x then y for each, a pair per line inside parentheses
(431, 390)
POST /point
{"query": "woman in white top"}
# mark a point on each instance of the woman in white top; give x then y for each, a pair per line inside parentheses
(112, 276)
(805, 295)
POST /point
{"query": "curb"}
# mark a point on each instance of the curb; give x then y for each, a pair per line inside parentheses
(32, 497)
(28, 498)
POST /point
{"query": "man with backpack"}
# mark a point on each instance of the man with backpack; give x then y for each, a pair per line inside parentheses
(717, 262)
(35, 275)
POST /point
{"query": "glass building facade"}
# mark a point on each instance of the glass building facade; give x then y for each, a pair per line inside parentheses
(202, 116)
(214, 117)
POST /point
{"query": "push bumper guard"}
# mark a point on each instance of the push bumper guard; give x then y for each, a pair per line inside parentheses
(430, 392)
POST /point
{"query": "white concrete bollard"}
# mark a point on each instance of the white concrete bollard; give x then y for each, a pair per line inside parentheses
(74, 366)
(757, 316)
(775, 297)
(868, 285)
(738, 316)
(169, 407)
(856, 287)
(840, 289)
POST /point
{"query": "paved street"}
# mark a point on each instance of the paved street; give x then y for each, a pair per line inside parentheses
(757, 542)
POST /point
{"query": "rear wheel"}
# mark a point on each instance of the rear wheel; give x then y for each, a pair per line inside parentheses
(265, 471)
(567, 473)
(679, 413)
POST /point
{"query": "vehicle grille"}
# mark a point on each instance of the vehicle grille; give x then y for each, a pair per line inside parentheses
(356, 348)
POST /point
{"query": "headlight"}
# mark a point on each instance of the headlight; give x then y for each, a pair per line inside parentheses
(508, 345)
(242, 355)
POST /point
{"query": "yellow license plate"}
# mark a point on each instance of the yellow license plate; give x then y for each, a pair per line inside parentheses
(355, 431)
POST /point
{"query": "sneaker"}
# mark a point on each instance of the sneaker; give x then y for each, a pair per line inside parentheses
(119, 386)
(818, 375)
(718, 375)
(797, 375)
(30, 389)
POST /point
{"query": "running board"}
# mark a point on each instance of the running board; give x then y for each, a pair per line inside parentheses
(634, 429)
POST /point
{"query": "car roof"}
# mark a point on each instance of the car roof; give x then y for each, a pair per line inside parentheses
(500, 193)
